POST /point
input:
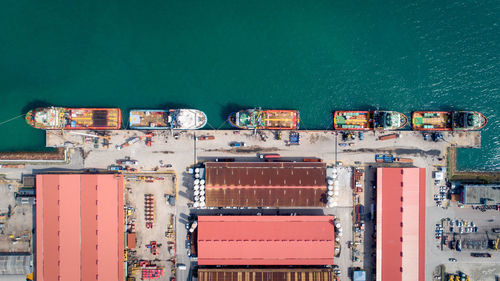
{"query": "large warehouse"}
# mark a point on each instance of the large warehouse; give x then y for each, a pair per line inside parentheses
(266, 240)
(265, 184)
(400, 224)
(260, 274)
(79, 227)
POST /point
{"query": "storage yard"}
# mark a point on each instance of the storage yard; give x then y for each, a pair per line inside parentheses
(175, 179)
(150, 204)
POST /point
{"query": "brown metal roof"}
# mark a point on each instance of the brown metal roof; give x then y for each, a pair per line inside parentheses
(266, 184)
(288, 274)
(131, 240)
(266, 197)
(265, 174)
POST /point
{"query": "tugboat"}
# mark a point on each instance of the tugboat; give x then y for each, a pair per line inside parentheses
(58, 118)
(448, 120)
(259, 119)
(369, 120)
(176, 119)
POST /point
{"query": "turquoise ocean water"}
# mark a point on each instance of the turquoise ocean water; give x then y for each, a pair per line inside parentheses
(218, 56)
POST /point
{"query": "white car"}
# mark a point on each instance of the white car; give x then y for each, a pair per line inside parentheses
(181, 266)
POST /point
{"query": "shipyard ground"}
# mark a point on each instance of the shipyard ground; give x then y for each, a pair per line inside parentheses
(162, 231)
(175, 152)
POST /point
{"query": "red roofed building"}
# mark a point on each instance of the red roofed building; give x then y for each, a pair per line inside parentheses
(79, 227)
(400, 224)
(266, 240)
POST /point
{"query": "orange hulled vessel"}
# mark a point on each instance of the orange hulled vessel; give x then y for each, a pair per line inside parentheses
(448, 120)
(259, 119)
(57, 118)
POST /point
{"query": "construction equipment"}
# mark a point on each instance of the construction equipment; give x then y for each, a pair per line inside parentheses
(134, 140)
(495, 247)
(153, 246)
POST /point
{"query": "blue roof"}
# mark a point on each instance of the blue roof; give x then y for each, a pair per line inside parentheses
(359, 275)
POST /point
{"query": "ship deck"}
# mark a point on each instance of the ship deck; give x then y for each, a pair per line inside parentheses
(280, 119)
(353, 120)
(432, 120)
(89, 118)
(147, 119)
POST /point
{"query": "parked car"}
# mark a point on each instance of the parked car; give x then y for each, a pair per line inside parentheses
(181, 266)
(452, 259)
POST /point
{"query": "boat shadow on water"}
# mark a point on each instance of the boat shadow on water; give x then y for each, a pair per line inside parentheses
(34, 104)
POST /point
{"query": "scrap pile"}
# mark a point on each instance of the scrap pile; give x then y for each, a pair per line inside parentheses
(357, 178)
(149, 209)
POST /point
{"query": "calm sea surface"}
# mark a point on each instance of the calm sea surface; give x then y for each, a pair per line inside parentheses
(218, 56)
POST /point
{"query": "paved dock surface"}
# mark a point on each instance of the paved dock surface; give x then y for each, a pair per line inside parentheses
(327, 145)
(176, 151)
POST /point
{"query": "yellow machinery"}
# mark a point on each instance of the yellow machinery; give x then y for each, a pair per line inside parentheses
(495, 247)
(29, 277)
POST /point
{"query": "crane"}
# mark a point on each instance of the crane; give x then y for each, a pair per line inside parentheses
(90, 135)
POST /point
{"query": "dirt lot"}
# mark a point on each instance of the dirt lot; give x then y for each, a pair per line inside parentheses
(19, 225)
(159, 185)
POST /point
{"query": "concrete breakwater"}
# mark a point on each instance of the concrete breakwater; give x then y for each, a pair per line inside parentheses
(58, 154)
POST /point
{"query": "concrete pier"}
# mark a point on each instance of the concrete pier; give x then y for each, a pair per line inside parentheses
(176, 147)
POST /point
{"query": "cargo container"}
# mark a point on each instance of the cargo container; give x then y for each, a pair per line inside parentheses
(384, 158)
(388, 137)
(403, 160)
(312, 160)
(206, 138)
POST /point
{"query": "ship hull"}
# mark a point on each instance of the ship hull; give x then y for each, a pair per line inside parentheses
(256, 119)
(446, 121)
(481, 121)
(62, 118)
(169, 119)
(352, 120)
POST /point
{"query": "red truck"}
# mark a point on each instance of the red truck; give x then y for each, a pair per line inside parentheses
(270, 156)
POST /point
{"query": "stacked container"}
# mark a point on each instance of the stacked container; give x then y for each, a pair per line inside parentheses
(149, 209)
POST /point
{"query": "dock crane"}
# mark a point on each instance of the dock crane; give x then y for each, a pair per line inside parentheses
(90, 135)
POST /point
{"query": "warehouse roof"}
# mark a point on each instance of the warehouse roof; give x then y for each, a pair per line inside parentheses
(15, 263)
(79, 227)
(259, 274)
(265, 174)
(400, 224)
(265, 184)
(488, 194)
(265, 240)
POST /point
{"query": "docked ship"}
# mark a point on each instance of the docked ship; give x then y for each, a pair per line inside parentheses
(259, 119)
(58, 118)
(369, 120)
(448, 120)
(176, 119)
